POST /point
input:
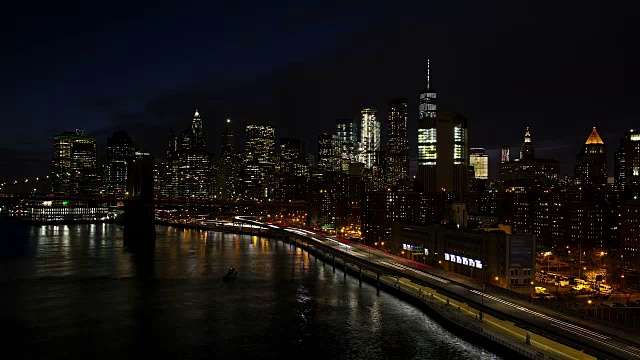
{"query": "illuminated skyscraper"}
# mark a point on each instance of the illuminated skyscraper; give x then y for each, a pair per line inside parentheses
(328, 152)
(74, 170)
(627, 166)
(194, 165)
(526, 150)
(259, 160)
(397, 169)
(369, 138)
(505, 153)
(227, 178)
(120, 149)
(347, 138)
(427, 138)
(591, 162)
(480, 162)
(452, 164)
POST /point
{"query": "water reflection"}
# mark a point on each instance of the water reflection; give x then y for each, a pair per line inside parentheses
(87, 298)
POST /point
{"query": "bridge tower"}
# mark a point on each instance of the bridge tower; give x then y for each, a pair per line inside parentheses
(139, 207)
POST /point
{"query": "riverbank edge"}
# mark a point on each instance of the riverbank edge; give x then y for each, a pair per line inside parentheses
(450, 325)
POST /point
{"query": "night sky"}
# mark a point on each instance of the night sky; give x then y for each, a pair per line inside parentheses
(557, 67)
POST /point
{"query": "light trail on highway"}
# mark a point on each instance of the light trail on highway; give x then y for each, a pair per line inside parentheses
(591, 335)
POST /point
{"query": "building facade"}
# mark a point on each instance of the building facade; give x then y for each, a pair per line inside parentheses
(397, 164)
(591, 162)
(74, 166)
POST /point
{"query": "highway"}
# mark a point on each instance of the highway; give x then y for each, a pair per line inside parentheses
(571, 331)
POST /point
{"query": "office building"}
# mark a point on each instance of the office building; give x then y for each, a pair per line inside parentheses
(427, 137)
(348, 143)
(479, 160)
(329, 152)
(120, 149)
(369, 138)
(505, 153)
(397, 156)
(74, 170)
(627, 165)
(194, 164)
(591, 162)
(528, 171)
(259, 161)
(227, 178)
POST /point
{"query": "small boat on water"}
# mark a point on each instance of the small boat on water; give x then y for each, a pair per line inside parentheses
(231, 275)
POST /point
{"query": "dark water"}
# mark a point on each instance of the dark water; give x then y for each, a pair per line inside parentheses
(76, 292)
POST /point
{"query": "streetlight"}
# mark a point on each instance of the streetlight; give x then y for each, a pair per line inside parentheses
(532, 293)
(622, 276)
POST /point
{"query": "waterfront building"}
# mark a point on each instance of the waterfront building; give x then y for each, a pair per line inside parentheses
(120, 149)
(488, 255)
(74, 165)
(259, 161)
(194, 170)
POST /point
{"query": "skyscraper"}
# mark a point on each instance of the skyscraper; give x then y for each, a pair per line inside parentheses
(227, 176)
(74, 170)
(194, 169)
(526, 149)
(369, 138)
(480, 162)
(347, 138)
(259, 160)
(627, 166)
(528, 171)
(427, 138)
(328, 152)
(452, 164)
(505, 153)
(120, 149)
(397, 170)
(591, 162)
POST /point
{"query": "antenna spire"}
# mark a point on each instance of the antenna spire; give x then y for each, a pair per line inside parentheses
(428, 76)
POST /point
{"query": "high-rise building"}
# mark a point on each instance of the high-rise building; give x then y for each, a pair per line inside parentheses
(527, 170)
(526, 149)
(505, 153)
(120, 149)
(480, 162)
(74, 170)
(328, 152)
(167, 174)
(591, 162)
(260, 161)
(228, 165)
(627, 166)
(397, 167)
(293, 157)
(369, 138)
(427, 138)
(194, 164)
(452, 164)
(630, 233)
(348, 140)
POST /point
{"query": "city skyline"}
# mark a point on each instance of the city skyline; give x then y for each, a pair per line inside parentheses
(500, 93)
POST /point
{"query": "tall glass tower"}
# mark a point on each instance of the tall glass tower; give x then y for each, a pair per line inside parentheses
(427, 137)
(370, 138)
(398, 142)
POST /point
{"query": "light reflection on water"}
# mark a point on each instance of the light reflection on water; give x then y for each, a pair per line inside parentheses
(76, 291)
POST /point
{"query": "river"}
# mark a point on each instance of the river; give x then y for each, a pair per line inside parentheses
(76, 292)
